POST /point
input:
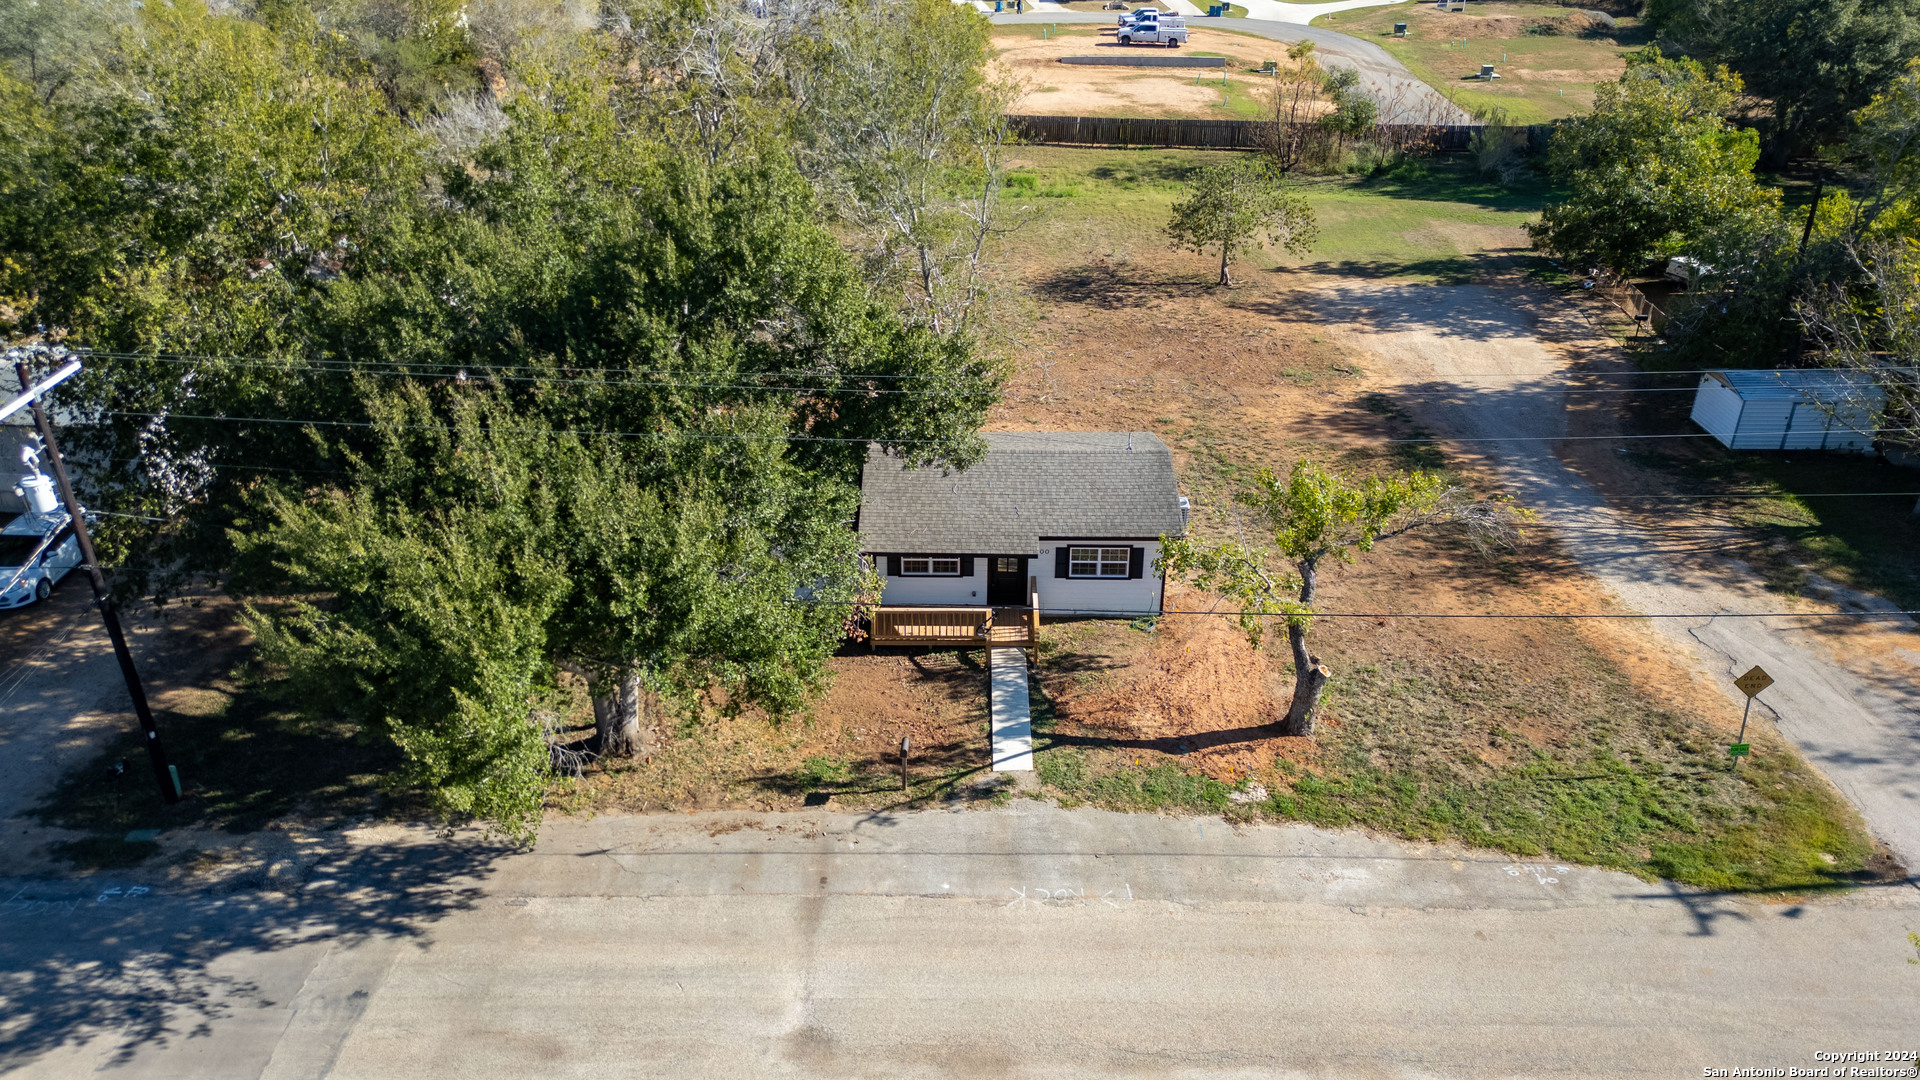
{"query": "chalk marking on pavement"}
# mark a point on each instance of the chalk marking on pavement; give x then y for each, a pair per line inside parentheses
(1540, 872)
(1067, 896)
(23, 908)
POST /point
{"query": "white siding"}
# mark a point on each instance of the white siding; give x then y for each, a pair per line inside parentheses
(1806, 428)
(1762, 424)
(1131, 596)
(1716, 408)
(954, 591)
(1852, 429)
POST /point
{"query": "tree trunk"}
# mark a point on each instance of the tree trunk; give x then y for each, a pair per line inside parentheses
(1309, 674)
(617, 719)
(1782, 136)
(1223, 265)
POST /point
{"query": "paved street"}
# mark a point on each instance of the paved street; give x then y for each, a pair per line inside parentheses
(1024, 941)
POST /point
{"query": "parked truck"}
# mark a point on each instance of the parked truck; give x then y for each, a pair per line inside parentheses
(1155, 28)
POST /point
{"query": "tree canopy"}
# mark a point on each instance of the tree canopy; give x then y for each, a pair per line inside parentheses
(1813, 62)
(474, 353)
(1656, 170)
(1230, 207)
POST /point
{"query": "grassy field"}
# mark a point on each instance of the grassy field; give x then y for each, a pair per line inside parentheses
(1549, 58)
(1423, 221)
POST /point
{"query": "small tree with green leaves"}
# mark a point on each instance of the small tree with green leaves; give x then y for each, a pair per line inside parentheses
(1229, 206)
(1654, 170)
(1312, 516)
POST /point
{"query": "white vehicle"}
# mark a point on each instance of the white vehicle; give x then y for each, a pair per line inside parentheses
(37, 548)
(1136, 14)
(1155, 29)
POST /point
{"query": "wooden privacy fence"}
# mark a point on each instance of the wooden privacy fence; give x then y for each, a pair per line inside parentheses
(1210, 134)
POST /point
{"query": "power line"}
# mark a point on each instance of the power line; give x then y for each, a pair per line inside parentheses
(1107, 613)
(454, 368)
(1602, 438)
(451, 370)
(876, 438)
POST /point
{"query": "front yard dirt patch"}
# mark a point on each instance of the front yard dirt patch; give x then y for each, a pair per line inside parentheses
(846, 752)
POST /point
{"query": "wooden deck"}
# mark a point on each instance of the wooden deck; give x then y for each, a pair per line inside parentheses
(999, 627)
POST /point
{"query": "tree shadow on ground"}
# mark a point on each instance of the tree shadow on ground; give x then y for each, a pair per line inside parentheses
(1453, 183)
(1463, 269)
(1170, 744)
(91, 960)
(1114, 288)
(255, 759)
(1148, 169)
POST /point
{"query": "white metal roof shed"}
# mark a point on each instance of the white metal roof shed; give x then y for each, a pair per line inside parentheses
(1789, 409)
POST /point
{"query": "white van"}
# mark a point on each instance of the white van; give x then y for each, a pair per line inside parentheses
(37, 548)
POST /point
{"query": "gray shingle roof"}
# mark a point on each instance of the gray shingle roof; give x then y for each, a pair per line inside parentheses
(1030, 484)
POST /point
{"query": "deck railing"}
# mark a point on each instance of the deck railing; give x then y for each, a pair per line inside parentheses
(1010, 627)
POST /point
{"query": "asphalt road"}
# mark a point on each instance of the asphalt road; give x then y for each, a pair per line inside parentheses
(1021, 942)
(1403, 99)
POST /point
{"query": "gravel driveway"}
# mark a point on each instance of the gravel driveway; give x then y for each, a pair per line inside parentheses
(1847, 692)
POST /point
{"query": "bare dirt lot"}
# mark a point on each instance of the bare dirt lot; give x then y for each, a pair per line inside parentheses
(1056, 89)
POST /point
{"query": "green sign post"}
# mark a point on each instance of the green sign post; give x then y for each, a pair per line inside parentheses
(1750, 684)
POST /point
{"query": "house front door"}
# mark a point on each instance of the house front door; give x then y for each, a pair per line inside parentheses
(1007, 580)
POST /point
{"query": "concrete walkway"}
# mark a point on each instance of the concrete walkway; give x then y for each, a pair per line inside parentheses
(1012, 717)
(1847, 694)
(1402, 98)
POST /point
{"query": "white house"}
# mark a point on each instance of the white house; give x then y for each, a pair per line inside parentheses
(1082, 513)
(1815, 409)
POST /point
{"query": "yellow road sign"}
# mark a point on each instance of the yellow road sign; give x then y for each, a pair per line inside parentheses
(1754, 681)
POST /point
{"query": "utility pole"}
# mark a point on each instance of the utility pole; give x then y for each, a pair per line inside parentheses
(163, 774)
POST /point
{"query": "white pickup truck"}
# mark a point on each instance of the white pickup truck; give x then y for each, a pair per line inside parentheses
(1154, 28)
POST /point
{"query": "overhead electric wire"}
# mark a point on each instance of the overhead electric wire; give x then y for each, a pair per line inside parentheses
(823, 438)
(453, 366)
(1090, 612)
(453, 369)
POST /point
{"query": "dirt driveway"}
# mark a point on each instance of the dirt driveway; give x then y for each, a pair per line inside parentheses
(1490, 367)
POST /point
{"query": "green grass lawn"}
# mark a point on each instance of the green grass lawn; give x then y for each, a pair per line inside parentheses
(1544, 76)
(1422, 221)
